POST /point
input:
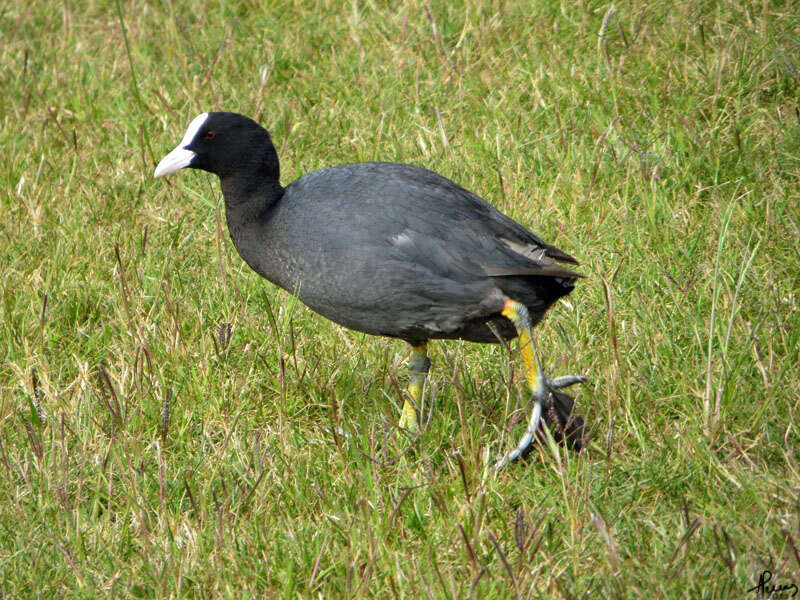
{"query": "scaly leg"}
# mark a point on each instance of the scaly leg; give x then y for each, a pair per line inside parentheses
(538, 382)
(418, 366)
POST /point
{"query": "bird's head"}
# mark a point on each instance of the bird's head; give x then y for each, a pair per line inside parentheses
(226, 144)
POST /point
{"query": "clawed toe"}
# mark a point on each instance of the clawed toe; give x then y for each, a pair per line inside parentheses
(555, 408)
(566, 381)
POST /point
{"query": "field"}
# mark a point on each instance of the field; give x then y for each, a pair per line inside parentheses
(168, 419)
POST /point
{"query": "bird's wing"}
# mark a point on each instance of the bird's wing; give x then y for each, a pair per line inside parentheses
(508, 247)
(533, 261)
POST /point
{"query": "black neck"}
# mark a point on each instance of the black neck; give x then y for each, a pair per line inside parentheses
(251, 183)
(248, 202)
(251, 187)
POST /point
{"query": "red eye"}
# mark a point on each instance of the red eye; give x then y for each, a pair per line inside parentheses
(210, 135)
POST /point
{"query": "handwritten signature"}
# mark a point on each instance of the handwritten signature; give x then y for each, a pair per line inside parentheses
(764, 589)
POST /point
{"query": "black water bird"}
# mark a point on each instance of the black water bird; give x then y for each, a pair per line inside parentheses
(389, 249)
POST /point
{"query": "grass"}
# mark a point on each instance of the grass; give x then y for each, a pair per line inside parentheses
(165, 414)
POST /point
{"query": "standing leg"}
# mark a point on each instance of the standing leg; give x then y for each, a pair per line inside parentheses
(538, 382)
(418, 366)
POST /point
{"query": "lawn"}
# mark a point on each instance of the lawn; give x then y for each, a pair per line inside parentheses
(169, 420)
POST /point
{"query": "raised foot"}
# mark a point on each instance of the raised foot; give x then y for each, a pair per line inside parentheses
(556, 409)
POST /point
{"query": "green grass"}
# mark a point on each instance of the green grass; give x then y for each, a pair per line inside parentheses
(658, 143)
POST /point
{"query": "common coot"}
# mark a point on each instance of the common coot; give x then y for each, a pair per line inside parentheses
(389, 249)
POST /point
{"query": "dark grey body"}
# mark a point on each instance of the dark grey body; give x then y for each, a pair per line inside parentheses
(387, 249)
(395, 250)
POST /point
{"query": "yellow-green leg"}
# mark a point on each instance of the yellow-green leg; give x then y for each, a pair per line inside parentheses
(538, 383)
(418, 366)
(517, 313)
